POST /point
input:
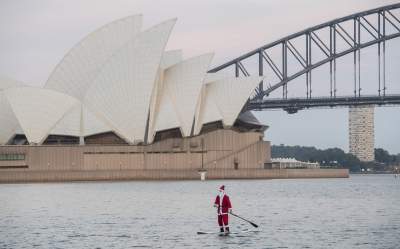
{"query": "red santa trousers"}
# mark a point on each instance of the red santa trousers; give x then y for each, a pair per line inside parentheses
(223, 220)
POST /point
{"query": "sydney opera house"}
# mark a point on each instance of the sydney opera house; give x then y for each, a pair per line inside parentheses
(119, 106)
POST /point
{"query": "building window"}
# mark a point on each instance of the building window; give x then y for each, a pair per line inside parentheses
(12, 157)
(235, 163)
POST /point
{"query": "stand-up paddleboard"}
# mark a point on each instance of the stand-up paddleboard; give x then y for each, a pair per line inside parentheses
(227, 234)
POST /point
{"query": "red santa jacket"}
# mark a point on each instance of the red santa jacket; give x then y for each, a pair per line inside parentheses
(225, 204)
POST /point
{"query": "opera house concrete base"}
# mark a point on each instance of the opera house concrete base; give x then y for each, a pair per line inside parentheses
(115, 175)
(223, 153)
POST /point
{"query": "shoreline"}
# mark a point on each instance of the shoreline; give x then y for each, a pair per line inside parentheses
(25, 176)
(373, 173)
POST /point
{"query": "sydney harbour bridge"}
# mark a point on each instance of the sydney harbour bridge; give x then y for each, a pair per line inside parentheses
(302, 53)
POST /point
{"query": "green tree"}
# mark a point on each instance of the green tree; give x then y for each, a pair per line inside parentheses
(329, 157)
(383, 156)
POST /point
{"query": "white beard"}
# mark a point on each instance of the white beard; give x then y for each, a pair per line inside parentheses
(221, 195)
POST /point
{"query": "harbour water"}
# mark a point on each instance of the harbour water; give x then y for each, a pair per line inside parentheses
(362, 211)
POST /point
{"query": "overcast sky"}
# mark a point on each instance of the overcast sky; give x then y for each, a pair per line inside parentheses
(36, 34)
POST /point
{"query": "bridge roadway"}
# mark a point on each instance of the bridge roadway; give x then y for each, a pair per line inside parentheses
(293, 105)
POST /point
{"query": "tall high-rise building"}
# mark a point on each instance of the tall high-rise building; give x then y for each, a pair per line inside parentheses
(361, 133)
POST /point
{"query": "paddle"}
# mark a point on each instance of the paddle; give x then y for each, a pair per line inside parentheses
(253, 224)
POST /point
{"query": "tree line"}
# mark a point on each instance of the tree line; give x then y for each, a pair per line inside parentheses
(334, 157)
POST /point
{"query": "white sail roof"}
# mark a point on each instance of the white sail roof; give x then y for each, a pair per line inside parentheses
(122, 90)
(6, 83)
(181, 88)
(8, 121)
(38, 110)
(69, 124)
(211, 77)
(92, 124)
(169, 59)
(77, 70)
(80, 121)
(166, 116)
(207, 110)
(120, 79)
(224, 99)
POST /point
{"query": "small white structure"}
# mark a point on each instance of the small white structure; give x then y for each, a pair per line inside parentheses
(203, 174)
(292, 163)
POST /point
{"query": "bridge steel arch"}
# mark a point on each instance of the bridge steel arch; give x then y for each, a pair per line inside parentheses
(361, 25)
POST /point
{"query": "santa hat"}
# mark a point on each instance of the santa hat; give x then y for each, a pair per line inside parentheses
(222, 188)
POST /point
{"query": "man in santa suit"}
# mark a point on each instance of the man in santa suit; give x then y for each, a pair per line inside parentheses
(224, 206)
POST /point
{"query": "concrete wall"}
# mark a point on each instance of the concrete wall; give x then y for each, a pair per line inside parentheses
(103, 175)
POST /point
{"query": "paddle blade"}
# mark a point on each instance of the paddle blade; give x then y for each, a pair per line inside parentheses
(253, 224)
